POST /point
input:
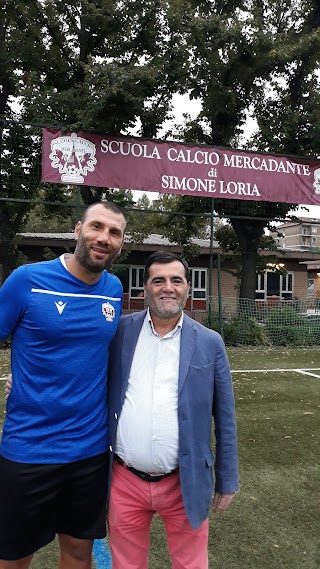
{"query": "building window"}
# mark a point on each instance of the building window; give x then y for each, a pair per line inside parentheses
(273, 284)
(310, 289)
(287, 286)
(136, 282)
(198, 283)
(260, 286)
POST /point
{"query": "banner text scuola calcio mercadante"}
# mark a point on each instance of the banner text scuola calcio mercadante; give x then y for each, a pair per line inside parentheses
(168, 167)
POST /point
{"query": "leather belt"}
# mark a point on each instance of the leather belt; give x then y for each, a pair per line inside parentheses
(143, 475)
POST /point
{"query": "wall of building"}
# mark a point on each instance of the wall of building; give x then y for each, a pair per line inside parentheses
(300, 284)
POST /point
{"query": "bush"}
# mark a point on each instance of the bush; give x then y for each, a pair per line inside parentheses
(242, 331)
(282, 327)
(286, 327)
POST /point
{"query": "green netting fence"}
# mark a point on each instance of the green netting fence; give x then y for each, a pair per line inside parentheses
(279, 323)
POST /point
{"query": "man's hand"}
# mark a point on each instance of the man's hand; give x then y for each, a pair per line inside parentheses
(221, 502)
(8, 384)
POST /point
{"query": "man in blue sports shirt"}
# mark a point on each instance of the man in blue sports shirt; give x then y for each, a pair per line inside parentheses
(62, 316)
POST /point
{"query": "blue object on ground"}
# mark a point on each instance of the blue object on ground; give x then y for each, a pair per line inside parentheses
(101, 554)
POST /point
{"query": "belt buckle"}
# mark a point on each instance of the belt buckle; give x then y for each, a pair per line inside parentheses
(156, 475)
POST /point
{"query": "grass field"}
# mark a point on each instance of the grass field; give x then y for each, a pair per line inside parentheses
(274, 523)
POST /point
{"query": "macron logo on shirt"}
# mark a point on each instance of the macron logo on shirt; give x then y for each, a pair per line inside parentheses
(60, 306)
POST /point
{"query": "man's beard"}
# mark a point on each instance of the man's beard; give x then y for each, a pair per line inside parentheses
(165, 312)
(82, 253)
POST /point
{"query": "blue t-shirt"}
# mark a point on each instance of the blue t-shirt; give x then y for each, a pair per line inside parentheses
(61, 331)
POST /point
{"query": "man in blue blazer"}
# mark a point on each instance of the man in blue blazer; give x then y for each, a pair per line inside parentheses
(168, 376)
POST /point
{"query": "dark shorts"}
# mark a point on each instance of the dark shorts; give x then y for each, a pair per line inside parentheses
(37, 501)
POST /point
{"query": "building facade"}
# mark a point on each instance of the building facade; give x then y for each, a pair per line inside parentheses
(293, 276)
(303, 234)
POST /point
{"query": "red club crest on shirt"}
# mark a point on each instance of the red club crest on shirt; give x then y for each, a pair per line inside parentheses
(108, 311)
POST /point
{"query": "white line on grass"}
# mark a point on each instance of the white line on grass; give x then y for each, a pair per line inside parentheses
(303, 371)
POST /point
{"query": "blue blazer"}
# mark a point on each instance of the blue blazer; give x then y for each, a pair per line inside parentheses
(205, 391)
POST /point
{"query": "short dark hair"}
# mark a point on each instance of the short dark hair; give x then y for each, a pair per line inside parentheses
(111, 206)
(164, 257)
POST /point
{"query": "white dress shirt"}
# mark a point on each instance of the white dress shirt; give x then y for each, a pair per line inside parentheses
(148, 432)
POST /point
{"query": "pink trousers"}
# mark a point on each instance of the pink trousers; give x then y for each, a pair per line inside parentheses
(131, 507)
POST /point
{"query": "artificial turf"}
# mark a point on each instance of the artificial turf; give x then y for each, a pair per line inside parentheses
(274, 522)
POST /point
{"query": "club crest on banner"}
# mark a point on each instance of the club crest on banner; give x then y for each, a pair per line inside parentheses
(316, 183)
(108, 311)
(74, 157)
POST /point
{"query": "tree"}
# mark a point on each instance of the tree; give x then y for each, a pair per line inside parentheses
(183, 221)
(101, 65)
(108, 66)
(246, 254)
(258, 56)
(14, 161)
(84, 64)
(171, 216)
(141, 221)
(288, 112)
(249, 228)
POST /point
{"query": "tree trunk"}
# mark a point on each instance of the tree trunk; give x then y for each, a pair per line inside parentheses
(249, 233)
(9, 226)
(248, 272)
